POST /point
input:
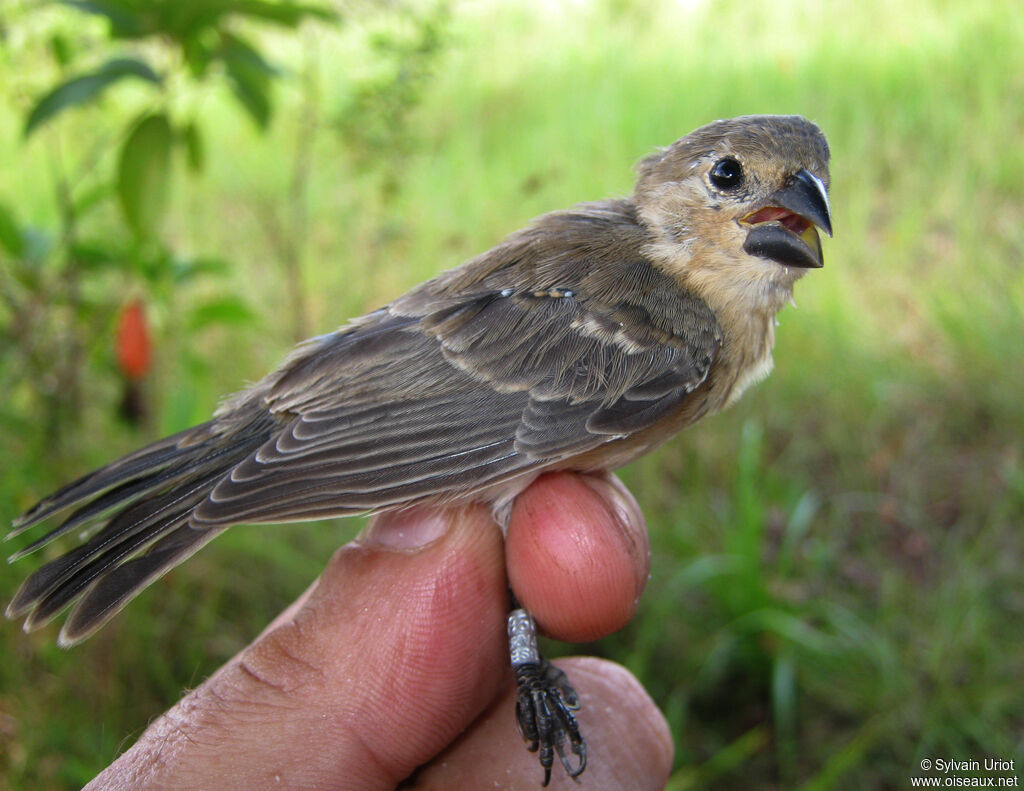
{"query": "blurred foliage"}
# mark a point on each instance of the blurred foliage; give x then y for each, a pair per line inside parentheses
(373, 123)
(63, 284)
(835, 590)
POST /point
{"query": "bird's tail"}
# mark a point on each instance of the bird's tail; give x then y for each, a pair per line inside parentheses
(136, 516)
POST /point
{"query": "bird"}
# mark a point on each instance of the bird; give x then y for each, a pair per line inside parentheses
(580, 342)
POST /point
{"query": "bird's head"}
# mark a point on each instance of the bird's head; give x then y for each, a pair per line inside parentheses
(734, 208)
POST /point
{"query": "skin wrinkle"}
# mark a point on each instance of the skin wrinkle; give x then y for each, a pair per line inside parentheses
(309, 673)
(164, 739)
(383, 767)
(431, 602)
(220, 707)
(243, 665)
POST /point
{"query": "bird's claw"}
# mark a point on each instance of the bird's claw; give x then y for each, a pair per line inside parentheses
(544, 713)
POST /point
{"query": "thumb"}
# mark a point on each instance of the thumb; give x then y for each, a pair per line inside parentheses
(389, 657)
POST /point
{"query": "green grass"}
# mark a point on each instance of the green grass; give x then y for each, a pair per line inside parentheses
(836, 581)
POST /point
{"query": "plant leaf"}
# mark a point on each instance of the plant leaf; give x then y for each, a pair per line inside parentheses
(225, 310)
(197, 55)
(250, 77)
(287, 14)
(185, 269)
(84, 88)
(97, 255)
(194, 151)
(125, 21)
(60, 49)
(92, 198)
(11, 238)
(143, 174)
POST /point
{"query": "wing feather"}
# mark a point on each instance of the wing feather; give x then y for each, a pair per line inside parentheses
(470, 389)
(557, 341)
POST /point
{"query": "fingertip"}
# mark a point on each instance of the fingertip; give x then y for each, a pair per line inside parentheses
(578, 554)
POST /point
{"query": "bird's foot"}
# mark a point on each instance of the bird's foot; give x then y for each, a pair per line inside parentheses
(544, 709)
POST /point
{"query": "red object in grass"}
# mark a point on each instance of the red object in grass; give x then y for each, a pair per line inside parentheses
(134, 350)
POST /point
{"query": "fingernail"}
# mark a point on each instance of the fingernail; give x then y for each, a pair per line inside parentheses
(614, 492)
(630, 519)
(407, 530)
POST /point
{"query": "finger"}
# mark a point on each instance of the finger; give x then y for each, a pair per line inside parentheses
(392, 654)
(628, 741)
(578, 554)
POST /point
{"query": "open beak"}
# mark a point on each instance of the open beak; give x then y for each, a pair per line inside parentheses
(783, 230)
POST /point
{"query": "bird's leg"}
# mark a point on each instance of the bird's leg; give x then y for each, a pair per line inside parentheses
(546, 699)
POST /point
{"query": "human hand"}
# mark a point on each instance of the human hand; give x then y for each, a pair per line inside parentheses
(393, 666)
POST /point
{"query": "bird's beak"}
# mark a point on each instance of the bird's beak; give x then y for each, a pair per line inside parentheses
(783, 229)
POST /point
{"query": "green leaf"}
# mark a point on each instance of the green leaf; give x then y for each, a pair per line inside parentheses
(786, 626)
(125, 21)
(36, 246)
(784, 692)
(225, 310)
(152, 262)
(92, 198)
(86, 87)
(240, 51)
(11, 238)
(194, 151)
(185, 269)
(250, 77)
(252, 94)
(181, 19)
(143, 174)
(61, 49)
(94, 256)
(287, 14)
(197, 54)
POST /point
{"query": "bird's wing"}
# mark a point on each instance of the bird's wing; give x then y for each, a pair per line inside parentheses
(461, 393)
(492, 370)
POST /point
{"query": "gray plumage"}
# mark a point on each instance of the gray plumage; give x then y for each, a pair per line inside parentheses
(469, 380)
(553, 350)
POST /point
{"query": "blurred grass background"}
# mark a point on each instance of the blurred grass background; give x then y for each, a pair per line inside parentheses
(836, 585)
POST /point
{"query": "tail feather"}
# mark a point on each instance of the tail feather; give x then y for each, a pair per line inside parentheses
(120, 496)
(136, 514)
(146, 460)
(113, 591)
(44, 579)
(130, 532)
(129, 492)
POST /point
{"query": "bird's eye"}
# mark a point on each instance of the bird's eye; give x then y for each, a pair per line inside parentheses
(727, 174)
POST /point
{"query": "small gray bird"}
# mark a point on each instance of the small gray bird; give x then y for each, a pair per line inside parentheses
(580, 343)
